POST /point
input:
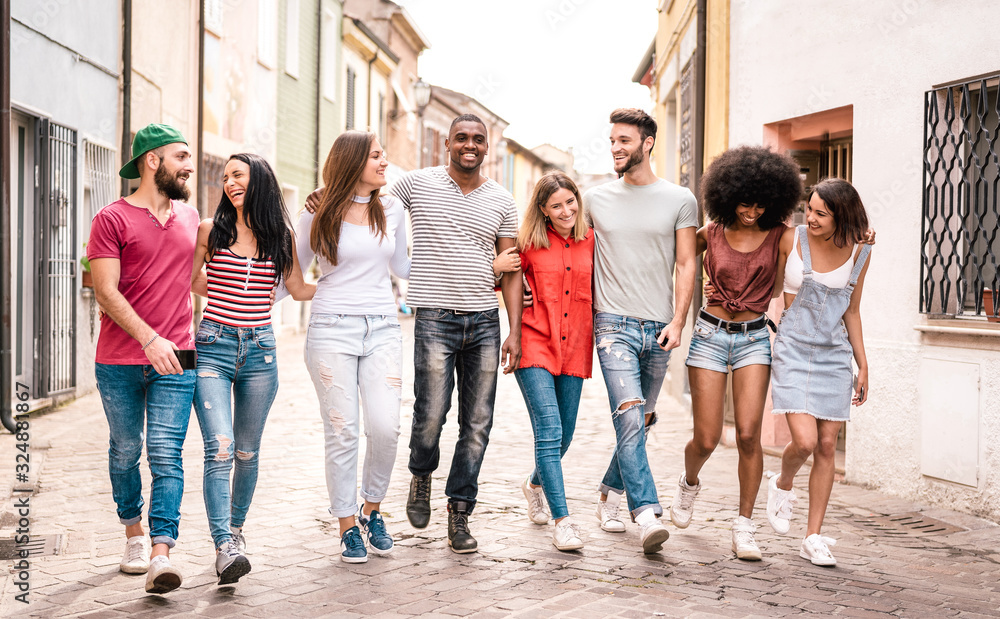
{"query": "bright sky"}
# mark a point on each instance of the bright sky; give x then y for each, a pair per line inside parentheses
(554, 69)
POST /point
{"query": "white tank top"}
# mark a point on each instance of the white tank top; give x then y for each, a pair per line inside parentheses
(837, 278)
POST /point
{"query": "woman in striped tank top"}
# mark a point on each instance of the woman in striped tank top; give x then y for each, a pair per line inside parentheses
(247, 248)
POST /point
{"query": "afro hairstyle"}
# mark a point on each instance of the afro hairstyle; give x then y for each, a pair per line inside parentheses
(751, 175)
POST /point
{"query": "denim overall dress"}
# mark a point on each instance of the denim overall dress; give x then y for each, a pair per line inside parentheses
(811, 369)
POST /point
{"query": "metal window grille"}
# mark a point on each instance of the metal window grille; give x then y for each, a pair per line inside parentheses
(687, 126)
(99, 176)
(57, 257)
(349, 123)
(959, 242)
(213, 168)
(835, 159)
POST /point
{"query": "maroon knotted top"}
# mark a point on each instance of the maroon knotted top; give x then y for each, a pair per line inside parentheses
(742, 281)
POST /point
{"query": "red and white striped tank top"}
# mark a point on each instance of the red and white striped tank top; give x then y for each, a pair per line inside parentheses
(239, 290)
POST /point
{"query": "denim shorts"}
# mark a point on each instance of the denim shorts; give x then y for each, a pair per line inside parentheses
(712, 348)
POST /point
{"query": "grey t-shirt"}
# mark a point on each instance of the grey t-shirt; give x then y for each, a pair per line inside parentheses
(634, 253)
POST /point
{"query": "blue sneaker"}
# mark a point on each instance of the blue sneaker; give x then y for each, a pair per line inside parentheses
(378, 538)
(352, 547)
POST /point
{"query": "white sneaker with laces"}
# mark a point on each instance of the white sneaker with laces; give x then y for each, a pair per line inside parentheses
(779, 506)
(607, 513)
(682, 507)
(816, 548)
(566, 535)
(162, 577)
(136, 557)
(537, 510)
(651, 532)
(744, 544)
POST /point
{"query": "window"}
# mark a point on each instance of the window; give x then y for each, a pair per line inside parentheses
(349, 99)
(960, 241)
(292, 20)
(330, 44)
(381, 119)
(213, 16)
(267, 32)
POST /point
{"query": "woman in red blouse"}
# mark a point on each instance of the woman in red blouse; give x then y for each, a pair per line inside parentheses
(557, 254)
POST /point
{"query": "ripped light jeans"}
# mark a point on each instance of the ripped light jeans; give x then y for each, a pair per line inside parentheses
(237, 379)
(633, 365)
(347, 356)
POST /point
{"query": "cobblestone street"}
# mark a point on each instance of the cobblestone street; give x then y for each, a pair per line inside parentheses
(886, 568)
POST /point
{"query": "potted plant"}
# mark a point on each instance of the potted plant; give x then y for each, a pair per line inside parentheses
(87, 277)
(988, 306)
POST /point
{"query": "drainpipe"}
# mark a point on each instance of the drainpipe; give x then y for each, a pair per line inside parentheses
(319, 95)
(6, 414)
(126, 87)
(699, 127)
(369, 113)
(199, 165)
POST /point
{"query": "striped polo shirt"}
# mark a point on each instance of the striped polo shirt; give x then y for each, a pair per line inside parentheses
(454, 239)
(239, 290)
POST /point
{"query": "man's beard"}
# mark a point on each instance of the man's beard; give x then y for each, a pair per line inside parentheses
(170, 186)
(633, 160)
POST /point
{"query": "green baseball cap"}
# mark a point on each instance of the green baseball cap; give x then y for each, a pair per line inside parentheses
(148, 138)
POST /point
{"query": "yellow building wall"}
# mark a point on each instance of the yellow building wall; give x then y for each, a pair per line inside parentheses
(716, 80)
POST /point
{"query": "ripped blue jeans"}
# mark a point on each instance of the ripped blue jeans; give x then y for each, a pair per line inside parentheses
(236, 384)
(633, 365)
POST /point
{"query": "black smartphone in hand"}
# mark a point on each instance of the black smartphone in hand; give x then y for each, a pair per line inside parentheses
(188, 358)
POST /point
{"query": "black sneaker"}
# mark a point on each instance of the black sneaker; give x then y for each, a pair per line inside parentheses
(459, 537)
(418, 504)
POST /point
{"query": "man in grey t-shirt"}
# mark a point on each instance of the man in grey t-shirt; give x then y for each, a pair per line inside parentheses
(645, 227)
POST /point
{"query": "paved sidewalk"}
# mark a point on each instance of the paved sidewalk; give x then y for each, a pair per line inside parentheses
(886, 568)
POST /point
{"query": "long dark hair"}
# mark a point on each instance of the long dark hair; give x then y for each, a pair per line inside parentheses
(341, 173)
(845, 205)
(263, 212)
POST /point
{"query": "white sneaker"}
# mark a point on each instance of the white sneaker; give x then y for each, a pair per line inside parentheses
(744, 544)
(816, 548)
(136, 557)
(779, 506)
(607, 513)
(651, 532)
(237, 535)
(682, 508)
(162, 577)
(537, 511)
(566, 535)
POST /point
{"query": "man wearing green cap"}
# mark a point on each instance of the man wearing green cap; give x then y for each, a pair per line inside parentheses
(141, 251)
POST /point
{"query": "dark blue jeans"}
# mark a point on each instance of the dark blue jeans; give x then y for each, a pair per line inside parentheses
(552, 403)
(137, 397)
(447, 344)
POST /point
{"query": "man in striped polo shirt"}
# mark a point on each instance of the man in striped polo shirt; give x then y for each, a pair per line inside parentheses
(460, 219)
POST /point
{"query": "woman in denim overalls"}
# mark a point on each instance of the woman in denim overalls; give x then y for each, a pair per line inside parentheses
(819, 333)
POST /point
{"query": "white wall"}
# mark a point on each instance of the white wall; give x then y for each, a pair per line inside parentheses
(791, 58)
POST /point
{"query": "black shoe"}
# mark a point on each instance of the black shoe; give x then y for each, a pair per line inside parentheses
(418, 504)
(459, 537)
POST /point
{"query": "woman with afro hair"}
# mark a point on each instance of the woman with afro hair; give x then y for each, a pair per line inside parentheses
(747, 193)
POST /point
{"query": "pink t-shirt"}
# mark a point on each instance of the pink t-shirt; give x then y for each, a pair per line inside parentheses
(155, 278)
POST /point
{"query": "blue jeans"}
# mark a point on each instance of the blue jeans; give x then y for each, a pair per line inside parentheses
(237, 380)
(135, 396)
(633, 365)
(552, 403)
(346, 355)
(446, 343)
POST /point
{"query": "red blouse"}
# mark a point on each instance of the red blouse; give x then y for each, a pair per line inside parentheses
(557, 330)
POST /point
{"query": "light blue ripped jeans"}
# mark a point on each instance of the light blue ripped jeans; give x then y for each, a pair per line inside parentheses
(348, 356)
(633, 365)
(237, 378)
